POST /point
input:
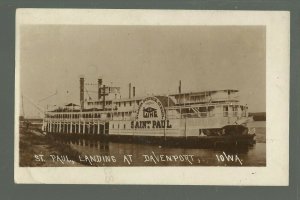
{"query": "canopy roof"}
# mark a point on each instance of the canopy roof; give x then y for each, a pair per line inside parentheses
(203, 93)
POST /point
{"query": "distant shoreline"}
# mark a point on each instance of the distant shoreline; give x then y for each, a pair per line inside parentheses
(258, 116)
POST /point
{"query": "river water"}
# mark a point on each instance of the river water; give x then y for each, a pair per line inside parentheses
(95, 153)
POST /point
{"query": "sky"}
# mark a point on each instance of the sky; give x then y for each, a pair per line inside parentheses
(152, 58)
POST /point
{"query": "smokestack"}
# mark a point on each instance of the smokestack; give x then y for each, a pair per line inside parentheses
(133, 91)
(99, 87)
(179, 88)
(129, 90)
(104, 97)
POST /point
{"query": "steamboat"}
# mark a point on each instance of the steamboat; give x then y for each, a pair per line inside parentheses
(196, 119)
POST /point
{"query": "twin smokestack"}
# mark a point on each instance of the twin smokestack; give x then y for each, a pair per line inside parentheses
(101, 91)
(100, 88)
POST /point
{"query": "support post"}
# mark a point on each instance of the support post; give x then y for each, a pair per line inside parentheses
(185, 128)
(50, 127)
(94, 125)
(83, 127)
(79, 126)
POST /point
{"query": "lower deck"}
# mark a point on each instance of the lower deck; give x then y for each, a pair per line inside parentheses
(168, 128)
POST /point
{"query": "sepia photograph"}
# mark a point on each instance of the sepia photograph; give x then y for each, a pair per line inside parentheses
(150, 94)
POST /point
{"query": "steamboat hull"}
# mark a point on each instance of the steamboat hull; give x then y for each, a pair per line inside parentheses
(187, 142)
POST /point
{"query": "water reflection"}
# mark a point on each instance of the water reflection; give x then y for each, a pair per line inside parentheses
(155, 155)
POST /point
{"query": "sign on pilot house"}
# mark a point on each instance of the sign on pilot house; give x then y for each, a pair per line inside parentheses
(151, 114)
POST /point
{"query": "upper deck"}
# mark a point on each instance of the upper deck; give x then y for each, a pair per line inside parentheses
(109, 105)
(187, 98)
(212, 96)
(217, 103)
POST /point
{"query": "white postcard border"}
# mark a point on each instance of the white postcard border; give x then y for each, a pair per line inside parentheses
(276, 171)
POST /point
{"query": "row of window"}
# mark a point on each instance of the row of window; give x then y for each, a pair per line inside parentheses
(77, 116)
(118, 127)
(99, 103)
(125, 103)
(88, 115)
(68, 127)
(234, 110)
(234, 107)
(117, 103)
